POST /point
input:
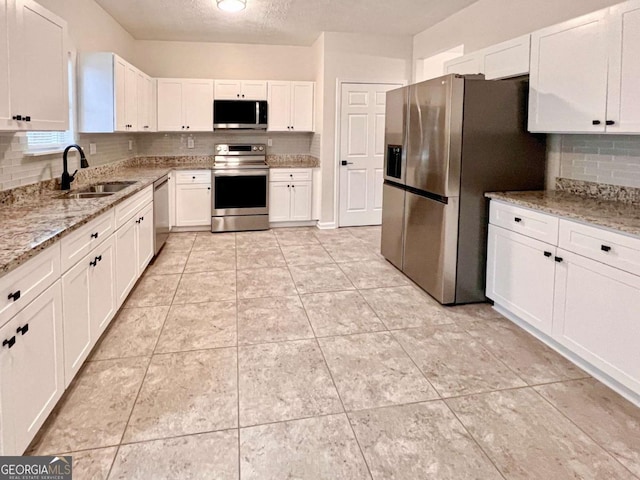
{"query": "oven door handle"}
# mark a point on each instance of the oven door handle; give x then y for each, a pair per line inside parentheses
(241, 172)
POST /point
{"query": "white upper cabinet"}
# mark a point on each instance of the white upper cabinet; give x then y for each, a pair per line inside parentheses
(240, 90)
(112, 95)
(569, 76)
(34, 84)
(291, 106)
(623, 106)
(507, 59)
(185, 105)
(465, 65)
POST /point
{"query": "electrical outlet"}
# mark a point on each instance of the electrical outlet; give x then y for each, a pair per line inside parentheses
(92, 149)
(270, 142)
(191, 143)
(130, 144)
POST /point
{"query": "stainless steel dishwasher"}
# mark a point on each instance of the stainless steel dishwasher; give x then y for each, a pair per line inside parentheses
(161, 212)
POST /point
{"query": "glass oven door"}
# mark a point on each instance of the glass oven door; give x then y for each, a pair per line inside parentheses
(240, 192)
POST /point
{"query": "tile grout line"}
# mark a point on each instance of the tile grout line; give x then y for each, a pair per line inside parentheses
(237, 357)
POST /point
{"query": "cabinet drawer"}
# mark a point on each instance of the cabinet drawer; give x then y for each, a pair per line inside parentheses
(533, 224)
(196, 176)
(79, 243)
(28, 281)
(614, 249)
(131, 206)
(290, 175)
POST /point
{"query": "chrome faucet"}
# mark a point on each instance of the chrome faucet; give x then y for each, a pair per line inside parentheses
(65, 181)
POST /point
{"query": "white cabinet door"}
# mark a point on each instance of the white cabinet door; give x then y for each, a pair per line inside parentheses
(131, 99)
(302, 100)
(145, 237)
(596, 316)
(279, 201)
(119, 94)
(76, 319)
(568, 89)
(301, 201)
(153, 105)
(143, 102)
(280, 106)
(6, 122)
(126, 259)
(193, 205)
(170, 96)
(520, 276)
(254, 90)
(466, 65)
(198, 105)
(227, 90)
(624, 68)
(39, 67)
(102, 287)
(32, 370)
(507, 59)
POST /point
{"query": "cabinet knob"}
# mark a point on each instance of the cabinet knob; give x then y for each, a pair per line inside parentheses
(94, 262)
(183, 127)
(17, 117)
(23, 330)
(142, 219)
(188, 127)
(605, 248)
(596, 122)
(559, 259)
(610, 122)
(547, 254)
(243, 96)
(99, 258)
(292, 127)
(15, 295)
(517, 219)
(94, 235)
(9, 343)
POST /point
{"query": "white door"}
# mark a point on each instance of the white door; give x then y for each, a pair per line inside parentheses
(193, 205)
(227, 89)
(145, 237)
(198, 105)
(170, 95)
(300, 201)
(39, 67)
(76, 319)
(361, 159)
(280, 106)
(520, 276)
(6, 122)
(254, 90)
(623, 107)
(126, 259)
(596, 316)
(279, 201)
(102, 287)
(568, 90)
(302, 100)
(119, 94)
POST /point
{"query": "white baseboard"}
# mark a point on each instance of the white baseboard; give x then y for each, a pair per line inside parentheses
(204, 228)
(327, 225)
(311, 223)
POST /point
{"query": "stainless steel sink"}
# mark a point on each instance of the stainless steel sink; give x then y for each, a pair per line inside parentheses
(77, 195)
(107, 187)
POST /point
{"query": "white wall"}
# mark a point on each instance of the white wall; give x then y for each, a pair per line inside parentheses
(224, 61)
(356, 58)
(433, 67)
(488, 22)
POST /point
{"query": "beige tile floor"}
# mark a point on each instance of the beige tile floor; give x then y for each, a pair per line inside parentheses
(302, 354)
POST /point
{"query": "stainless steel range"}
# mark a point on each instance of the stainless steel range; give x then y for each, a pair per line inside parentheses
(240, 183)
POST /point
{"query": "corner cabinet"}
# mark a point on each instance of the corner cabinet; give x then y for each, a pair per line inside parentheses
(113, 95)
(34, 65)
(576, 285)
(291, 106)
(290, 195)
(185, 105)
(584, 74)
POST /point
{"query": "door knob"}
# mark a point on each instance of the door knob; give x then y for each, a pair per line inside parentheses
(344, 163)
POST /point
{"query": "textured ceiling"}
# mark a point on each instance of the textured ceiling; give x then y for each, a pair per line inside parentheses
(283, 22)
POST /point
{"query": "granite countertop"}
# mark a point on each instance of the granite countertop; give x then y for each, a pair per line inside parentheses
(612, 214)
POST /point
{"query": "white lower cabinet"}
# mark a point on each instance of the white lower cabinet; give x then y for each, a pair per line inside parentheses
(31, 368)
(89, 304)
(134, 250)
(290, 195)
(520, 276)
(596, 316)
(193, 205)
(585, 299)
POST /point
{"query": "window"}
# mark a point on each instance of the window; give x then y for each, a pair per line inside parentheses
(42, 143)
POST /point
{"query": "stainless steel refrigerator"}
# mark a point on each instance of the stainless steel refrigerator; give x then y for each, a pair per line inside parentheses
(448, 141)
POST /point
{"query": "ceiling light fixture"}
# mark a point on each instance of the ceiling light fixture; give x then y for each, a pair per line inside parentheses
(232, 5)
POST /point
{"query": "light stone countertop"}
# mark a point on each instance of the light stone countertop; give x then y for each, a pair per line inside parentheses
(616, 215)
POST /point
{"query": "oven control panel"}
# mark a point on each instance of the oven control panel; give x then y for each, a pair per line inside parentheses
(240, 149)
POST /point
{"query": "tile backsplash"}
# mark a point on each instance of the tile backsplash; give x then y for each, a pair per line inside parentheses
(611, 159)
(17, 169)
(161, 144)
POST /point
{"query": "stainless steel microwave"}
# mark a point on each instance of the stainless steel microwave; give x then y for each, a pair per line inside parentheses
(240, 114)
